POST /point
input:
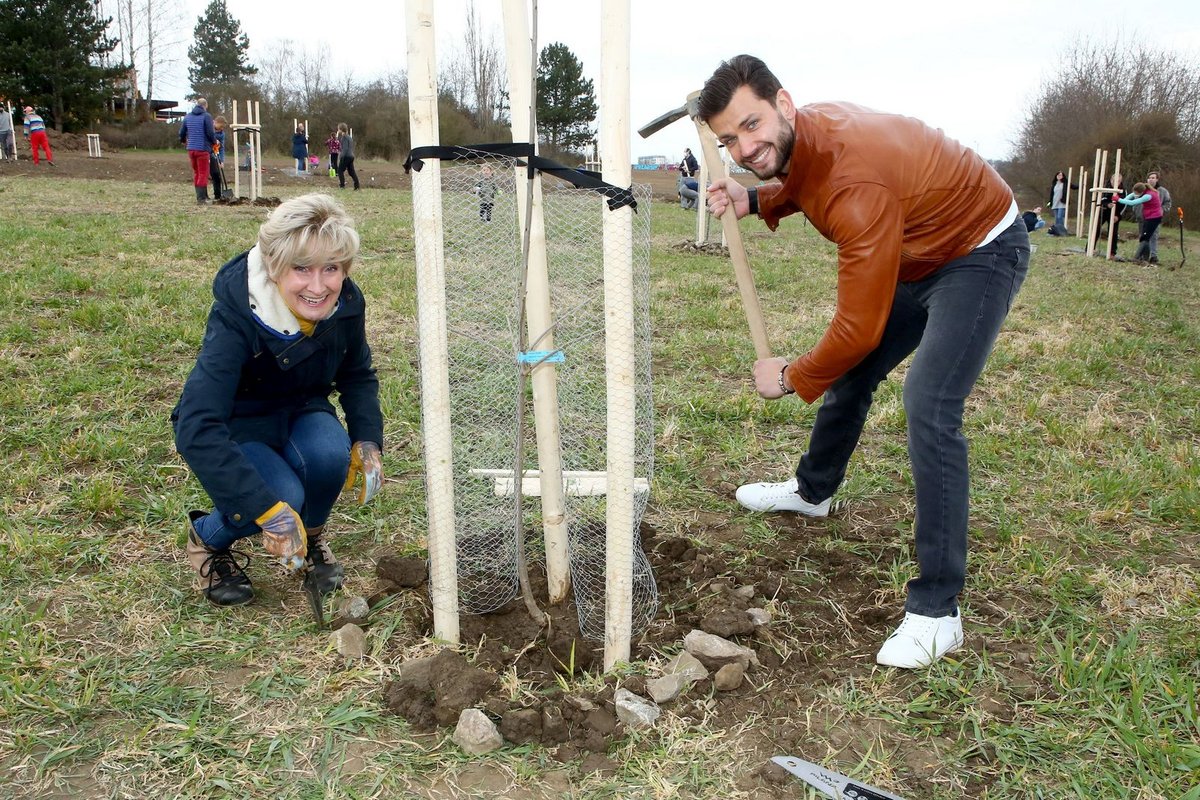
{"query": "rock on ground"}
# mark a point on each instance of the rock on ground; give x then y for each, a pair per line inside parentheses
(729, 677)
(715, 652)
(350, 641)
(634, 711)
(476, 734)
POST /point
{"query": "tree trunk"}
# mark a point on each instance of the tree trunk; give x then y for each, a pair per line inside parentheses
(148, 110)
(56, 104)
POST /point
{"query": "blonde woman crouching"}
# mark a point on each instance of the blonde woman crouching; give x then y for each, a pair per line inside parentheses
(255, 423)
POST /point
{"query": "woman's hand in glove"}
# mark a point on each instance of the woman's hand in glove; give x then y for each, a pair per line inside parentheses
(284, 534)
(365, 460)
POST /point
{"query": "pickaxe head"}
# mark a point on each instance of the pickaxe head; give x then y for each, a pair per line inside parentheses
(689, 109)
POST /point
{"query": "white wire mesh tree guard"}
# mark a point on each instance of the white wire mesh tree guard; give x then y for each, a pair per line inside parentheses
(587, 350)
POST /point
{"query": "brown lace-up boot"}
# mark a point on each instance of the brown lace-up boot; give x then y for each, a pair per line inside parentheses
(323, 565)
(220, 573)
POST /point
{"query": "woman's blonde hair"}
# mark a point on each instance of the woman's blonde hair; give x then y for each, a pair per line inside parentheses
(342, 128)
(307, 230)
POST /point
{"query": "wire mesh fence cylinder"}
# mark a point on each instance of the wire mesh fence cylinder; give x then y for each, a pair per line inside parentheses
(482, 243)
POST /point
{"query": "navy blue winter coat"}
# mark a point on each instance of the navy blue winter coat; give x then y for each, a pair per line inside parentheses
(249, 383)
(299, 145)
(197, 130)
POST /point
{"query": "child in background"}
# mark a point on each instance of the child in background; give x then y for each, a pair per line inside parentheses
(334, 147)
(485, 189)
(217, 159)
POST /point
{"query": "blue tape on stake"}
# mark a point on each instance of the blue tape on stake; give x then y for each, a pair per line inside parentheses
(541, 357)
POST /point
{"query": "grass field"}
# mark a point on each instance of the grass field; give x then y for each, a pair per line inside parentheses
(1080, 674)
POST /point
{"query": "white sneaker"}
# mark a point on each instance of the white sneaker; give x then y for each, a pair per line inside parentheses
(780, 497)
(920, 641)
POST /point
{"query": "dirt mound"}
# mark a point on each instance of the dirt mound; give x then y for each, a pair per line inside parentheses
(264, 202)
(76, 143)
(707, 248)
(569, 708)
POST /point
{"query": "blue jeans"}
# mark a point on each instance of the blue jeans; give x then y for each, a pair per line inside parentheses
(1060, 217)
(307, 474)
(951, 319)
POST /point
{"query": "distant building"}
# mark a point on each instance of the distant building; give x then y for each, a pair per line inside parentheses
(651, 162)
(125, 99)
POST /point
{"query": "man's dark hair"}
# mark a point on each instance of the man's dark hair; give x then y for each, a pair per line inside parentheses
(739, 71)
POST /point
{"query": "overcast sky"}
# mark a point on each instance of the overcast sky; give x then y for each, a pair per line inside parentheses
(970, 69)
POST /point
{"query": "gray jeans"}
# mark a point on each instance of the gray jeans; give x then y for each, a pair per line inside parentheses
(951, 320)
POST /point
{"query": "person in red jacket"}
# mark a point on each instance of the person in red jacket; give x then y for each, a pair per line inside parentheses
(931, 253)
(35, 131)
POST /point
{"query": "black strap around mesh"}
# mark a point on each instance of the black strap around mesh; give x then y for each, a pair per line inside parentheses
(523, 153)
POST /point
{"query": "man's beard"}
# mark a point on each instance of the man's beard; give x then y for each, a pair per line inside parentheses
(783, 150)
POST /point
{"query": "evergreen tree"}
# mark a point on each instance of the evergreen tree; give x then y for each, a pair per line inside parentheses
(50, 54)
(566, 101)
(219, 63)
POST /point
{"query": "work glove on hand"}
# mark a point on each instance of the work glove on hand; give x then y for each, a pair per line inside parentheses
(284, 535)
(367, 461)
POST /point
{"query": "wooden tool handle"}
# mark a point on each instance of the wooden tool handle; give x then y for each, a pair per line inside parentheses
(737, 250)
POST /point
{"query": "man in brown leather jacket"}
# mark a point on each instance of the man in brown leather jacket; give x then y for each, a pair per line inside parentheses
(931, 253)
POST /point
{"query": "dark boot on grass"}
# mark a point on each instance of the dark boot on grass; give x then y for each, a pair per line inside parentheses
(201, 195)
(323, 566)
(220, 575)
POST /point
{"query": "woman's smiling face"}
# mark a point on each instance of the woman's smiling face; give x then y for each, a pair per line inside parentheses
(312, 292)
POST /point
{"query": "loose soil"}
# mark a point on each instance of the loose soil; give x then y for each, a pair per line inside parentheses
(827, 623)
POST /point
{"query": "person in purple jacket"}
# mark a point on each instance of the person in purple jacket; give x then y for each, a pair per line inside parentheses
(198, 132)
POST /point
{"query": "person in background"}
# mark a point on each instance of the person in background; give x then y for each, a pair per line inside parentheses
(1058, 203)
(35, 132)
(485, 189)
(345, 156)
(689, 192)
(217, 158)
(300, 150)
(1033, 219)
(1110, 212)
(1152, 216)
(198, 132)
(8, 139)
(931, 252)
(688, 166)
(334, 147)
(1165, 201)
(254, 421)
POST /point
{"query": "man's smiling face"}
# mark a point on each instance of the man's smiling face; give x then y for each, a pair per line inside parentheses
(758, 134)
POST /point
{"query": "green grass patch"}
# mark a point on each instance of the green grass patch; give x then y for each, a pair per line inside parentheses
(116, 679)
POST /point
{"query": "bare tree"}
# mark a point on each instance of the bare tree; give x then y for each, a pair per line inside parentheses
(488, 76)
(275, 73)
(1145, 101)
(149, 40)
(163, 18)
(312, 68)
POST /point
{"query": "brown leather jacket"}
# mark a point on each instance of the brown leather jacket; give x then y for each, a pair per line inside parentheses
(898, 198)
